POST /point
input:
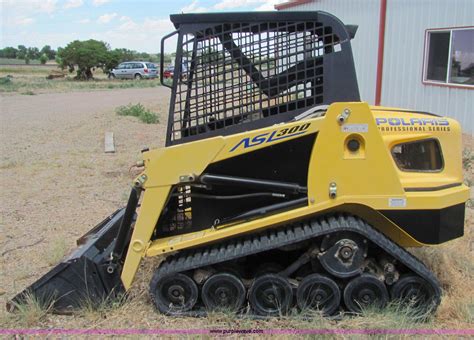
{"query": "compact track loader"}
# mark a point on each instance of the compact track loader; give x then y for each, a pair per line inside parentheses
(278, 188)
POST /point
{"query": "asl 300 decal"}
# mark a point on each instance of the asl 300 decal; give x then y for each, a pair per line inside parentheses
(272, 136)
(412, 124)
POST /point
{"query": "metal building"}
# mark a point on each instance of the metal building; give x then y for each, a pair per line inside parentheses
(416, 54)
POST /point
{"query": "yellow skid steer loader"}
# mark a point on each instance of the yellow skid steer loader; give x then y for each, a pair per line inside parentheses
(278, 189)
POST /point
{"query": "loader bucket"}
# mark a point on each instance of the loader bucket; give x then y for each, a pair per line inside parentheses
(82, 278)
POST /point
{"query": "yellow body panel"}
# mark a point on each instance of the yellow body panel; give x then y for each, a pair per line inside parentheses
(366, 181)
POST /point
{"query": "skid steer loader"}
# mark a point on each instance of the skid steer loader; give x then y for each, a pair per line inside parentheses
(278, 189)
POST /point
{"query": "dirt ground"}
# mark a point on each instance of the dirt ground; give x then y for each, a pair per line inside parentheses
(56, 183)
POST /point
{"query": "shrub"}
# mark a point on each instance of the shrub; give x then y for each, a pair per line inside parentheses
(5, 81)
(43, 59)
(139, 111)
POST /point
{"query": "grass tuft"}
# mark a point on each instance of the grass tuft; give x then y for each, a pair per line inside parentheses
(139, 111)
(32, 310)
(395, 315)
(93, 309)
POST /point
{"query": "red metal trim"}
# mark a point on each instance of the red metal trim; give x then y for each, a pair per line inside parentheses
(292, 3)
(425, 45)
(378, 81)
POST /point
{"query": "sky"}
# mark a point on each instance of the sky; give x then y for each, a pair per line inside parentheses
(135, 25)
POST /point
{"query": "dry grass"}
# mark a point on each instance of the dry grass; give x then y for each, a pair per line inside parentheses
(31, 80)
(29, 312)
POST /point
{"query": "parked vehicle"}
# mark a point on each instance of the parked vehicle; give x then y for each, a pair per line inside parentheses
(169, 71)
(134, 70)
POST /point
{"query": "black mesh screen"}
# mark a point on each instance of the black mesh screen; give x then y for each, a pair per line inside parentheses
(242, 72)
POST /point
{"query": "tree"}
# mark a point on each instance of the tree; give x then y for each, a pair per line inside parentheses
(8, 52)
(43, 59)
(21, 54)
(115, 57)
(57, 58)
(119, 55)
(33, 53)
(50, 53)
(84, 55)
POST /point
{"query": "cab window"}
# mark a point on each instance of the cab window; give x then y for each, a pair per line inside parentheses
(424, 156)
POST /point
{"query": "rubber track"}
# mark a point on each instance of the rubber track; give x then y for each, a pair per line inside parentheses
(272, 238)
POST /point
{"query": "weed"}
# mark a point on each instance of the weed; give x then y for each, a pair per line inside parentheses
(139, 111)
(32, 309)
(29, 93)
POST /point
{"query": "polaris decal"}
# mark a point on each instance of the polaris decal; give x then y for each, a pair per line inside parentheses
(269, 137)
(412, 124)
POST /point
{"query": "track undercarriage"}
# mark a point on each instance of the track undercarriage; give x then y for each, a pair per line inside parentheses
(326, 264)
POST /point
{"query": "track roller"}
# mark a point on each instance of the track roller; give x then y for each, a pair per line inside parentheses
(365, 291)
(319, 293)
(271, 295)
(224, 292)
(413, 291)
(174, 294)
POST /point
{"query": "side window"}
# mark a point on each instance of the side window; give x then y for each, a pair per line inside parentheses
(138, 65)
(449, 57)
(423, 156)
(121, 67)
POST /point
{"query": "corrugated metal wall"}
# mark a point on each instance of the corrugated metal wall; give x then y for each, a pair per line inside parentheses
(406, 23)
(402, 84)
(364, 13)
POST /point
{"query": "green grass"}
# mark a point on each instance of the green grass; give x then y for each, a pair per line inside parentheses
(139, 111)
